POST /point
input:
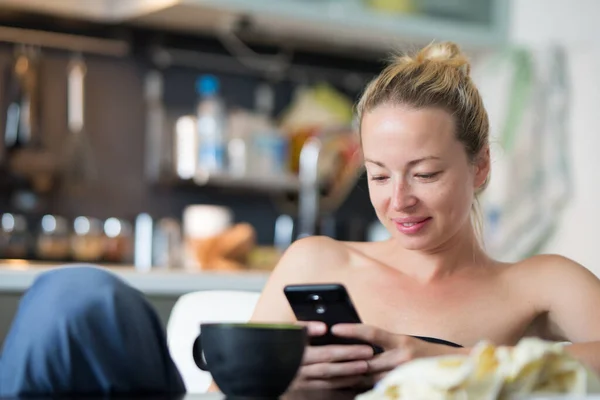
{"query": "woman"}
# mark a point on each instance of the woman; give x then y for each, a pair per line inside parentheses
(424, 133)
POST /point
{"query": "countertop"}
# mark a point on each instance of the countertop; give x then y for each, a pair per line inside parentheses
(18, 275)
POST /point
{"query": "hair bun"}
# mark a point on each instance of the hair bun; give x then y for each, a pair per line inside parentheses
(447, 53)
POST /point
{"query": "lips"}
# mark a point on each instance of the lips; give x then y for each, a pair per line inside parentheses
(411, 225)
(410, 220)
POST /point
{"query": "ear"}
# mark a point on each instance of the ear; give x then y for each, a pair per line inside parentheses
(482, 168)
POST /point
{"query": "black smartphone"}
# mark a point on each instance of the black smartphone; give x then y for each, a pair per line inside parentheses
(328, 303)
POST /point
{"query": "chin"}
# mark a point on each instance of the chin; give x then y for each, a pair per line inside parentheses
(414, 243)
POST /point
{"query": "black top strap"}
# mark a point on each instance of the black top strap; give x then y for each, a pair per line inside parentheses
(437, 341)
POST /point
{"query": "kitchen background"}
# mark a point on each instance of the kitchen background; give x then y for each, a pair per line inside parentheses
(120, 179)
(138, 138)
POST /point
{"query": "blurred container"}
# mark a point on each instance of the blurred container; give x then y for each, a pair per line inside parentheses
(210, 114)
(269, 154)
(14, 238)
(395, 6)
(87, 240)
(143, 237)
(239, 127)
(167, 245)
(201, 223)
(118, 245)
(237, 155)
(296, 143)
(158, 157)
(53, 242)
(186, 144)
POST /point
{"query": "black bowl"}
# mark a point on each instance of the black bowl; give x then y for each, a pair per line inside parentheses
(251, 360)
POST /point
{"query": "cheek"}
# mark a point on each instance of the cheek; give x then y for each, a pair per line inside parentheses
(379, 195)
(453, 197)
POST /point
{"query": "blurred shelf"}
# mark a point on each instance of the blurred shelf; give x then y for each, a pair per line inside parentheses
(324, 24)
(278, 184)
(18, 275)
(95, 10)
(346, 23)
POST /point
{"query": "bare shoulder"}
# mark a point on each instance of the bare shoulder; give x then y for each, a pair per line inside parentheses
(566, 292)
(313, 255)
(548, 267)
(309, 260)
(552, 278)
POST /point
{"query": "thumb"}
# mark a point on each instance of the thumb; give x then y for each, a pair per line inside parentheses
(314, 328)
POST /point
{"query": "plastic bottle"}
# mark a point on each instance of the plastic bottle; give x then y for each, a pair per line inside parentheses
(211, 125)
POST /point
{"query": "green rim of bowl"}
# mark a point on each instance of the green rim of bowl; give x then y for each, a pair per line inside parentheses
(256, 325)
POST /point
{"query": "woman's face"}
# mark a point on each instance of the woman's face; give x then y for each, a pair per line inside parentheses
(421, 182)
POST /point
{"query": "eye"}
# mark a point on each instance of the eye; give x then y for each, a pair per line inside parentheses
(428, 176)
(379, 178)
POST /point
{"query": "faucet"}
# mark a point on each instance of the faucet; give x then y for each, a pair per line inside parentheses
(311, 202)
(309, 189)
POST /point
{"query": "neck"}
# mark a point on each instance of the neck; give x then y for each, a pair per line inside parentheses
(457, 253)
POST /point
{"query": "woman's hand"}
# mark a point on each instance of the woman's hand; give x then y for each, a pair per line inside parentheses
(333, 366)
(398, 348)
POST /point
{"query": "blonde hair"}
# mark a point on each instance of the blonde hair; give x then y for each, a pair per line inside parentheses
(436, 76)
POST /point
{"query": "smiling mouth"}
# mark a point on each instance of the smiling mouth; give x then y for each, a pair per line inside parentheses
(409, 224)
(414, 222)
(412, 227)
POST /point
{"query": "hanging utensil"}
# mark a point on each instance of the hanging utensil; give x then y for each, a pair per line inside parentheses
(13, 95)
(27, 70)
(21, 140)
(22, 100)
(80, 166)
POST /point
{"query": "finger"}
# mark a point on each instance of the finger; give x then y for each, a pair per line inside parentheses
(367, 333)
(336, 353)
(336, 383)
(314, 328)
(334, 370)
(379, 376)
(387, 361)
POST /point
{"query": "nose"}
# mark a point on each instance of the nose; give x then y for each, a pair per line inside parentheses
(402, 196)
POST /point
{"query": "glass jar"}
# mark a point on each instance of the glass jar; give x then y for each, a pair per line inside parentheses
(87, 240)
(167, 244)
(119, 241)
(14, 238)
(53, 238)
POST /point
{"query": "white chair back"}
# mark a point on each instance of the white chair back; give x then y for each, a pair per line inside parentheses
(184, 325)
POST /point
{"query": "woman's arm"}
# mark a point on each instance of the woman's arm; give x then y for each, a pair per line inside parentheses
(572, 296)
(588, 353)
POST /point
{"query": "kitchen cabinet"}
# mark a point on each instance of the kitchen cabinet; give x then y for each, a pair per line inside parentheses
(328, 24)
(347, 24)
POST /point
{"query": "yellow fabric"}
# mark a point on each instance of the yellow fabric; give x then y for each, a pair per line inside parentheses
(533, 367)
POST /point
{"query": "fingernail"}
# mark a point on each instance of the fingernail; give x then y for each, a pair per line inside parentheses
(318, 327)
(336, 329)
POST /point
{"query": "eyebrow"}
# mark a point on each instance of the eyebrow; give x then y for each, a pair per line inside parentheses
(410, 163)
